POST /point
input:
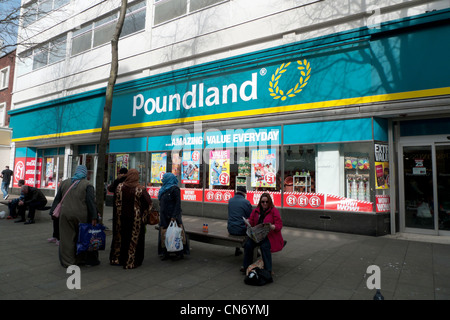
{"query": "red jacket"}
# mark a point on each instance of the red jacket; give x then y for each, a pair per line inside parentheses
(273, 217)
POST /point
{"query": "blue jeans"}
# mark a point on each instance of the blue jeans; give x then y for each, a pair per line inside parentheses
(5, 186)
(264, 245)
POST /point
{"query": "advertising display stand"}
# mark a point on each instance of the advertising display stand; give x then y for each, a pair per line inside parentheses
(302, 183)
(243, 181)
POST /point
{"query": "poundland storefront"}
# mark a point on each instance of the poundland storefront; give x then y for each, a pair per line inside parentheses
(312, 123)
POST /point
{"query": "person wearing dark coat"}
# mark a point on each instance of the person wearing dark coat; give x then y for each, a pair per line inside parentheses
(169, 197)
(33, 200)
(79, 206)
(112, 188)
(133, 205)
(238, 208)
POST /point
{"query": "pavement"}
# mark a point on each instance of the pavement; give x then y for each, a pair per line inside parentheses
(314, 265)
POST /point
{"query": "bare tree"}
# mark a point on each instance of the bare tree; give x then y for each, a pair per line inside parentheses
(9, 23)
(104, 137)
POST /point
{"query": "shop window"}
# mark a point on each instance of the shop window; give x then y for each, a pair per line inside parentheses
(255, 168)
(330, 176)
(357, 171)
(52, 171)
(299, 169)
(49, 175)
(186, 165)
(129, 161)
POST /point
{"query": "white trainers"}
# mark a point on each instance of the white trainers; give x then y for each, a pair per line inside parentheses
(6, 197)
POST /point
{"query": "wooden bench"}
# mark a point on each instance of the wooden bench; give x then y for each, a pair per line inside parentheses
(37, 213)
(217, 237)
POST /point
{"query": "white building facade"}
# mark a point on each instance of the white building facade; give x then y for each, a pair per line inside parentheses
(340, 110)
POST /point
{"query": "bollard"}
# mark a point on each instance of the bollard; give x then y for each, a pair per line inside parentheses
(378, 295)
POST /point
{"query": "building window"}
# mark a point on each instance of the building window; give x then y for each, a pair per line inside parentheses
(4, 78)
(166, 10)
(47, 53)
(25, 62)
(39, 9)
(2, 113)
(101, 31)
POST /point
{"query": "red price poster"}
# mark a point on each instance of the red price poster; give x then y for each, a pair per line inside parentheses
(383, 203)
(304, 200)
(219, 168)
(19, 170)
(219, 196)
(153, 192)
(346, 204)
(33, 167)
(254, 196)
(25, 169)
(191, 194)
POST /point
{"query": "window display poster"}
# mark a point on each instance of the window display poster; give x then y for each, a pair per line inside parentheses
(190, 167)
(263, 168)
(26, 169)
(49, 169)
(33, 167)
(382, 175)
(219, 168)
(176, 164)
(159, 164)
(122, 161)
(383, 203)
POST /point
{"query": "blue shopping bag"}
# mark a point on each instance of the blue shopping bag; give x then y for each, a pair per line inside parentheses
(91, 238)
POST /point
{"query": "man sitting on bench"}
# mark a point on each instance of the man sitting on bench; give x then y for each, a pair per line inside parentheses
(238, 207)
(33, 200)
(12, 204)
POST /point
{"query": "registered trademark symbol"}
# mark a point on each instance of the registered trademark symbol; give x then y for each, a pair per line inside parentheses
(263, 71)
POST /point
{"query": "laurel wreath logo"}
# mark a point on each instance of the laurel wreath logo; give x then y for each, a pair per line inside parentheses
(277, 93)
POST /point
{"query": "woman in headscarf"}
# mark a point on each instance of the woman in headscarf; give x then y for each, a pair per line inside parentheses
(133, 205)
(78, 207)
(169, 197)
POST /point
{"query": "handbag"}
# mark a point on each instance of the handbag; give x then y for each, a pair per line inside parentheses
(153, 217)
(91, 238)
(57, 210)
(258, 277)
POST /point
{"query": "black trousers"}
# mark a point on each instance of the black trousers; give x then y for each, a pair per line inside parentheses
(32, 207)
(12, 207)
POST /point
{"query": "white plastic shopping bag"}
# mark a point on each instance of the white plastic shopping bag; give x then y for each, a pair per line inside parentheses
(173, 240)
